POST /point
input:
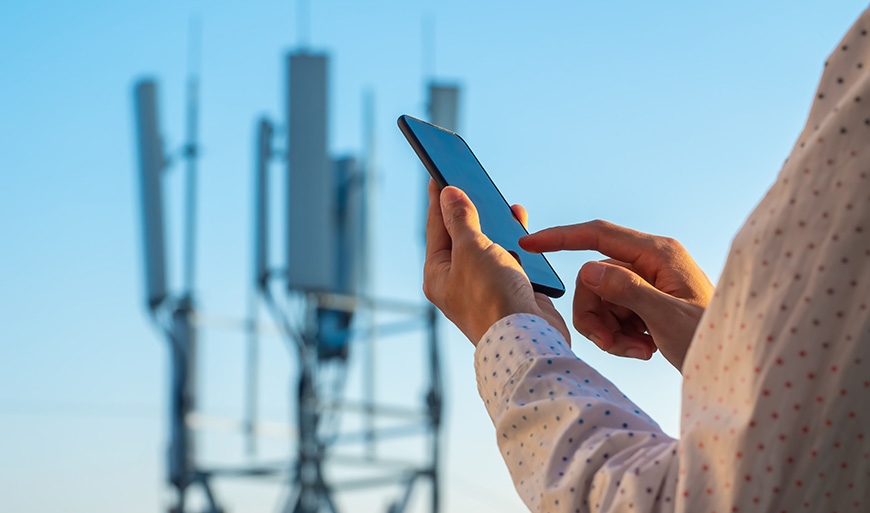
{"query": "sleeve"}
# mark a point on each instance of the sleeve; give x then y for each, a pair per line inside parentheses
(775, 383)
(774, 404)
(571, 440)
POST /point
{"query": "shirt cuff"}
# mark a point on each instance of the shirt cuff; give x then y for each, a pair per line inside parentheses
(520, 344)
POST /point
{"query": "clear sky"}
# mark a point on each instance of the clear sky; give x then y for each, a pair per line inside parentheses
(668, 117)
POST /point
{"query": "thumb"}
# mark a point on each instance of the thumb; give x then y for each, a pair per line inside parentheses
(622, 287)
(460, 215)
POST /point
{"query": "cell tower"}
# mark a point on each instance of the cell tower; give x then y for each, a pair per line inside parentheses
(320, 296)
(327, 272)
(172, 313)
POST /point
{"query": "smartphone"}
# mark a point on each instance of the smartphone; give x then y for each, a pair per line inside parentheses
(450, 161)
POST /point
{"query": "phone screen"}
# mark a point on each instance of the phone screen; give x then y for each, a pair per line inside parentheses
(455, 164)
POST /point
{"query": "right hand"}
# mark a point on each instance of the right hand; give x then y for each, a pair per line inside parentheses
(649, 295)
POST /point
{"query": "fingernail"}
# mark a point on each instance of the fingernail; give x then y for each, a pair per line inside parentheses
(635, 352)
(593, 274)
(449, 195)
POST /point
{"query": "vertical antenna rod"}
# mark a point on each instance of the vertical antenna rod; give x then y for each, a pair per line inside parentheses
(303, 23)
(191, 150)
(260, 282)
(428, 47)
(367, 278)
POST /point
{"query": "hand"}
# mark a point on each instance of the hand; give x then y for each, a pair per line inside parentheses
(472, 280)
(548, 309)
(650, 295)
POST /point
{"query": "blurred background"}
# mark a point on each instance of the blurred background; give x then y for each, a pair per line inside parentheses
(668, 117)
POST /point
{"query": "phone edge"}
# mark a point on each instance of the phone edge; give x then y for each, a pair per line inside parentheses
(439, 179)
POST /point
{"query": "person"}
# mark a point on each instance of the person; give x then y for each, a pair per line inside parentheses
(775, 363)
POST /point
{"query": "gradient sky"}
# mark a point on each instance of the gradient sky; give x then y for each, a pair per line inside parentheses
(668, 117)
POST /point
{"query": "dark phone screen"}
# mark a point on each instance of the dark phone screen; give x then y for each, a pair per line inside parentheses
(459, 167)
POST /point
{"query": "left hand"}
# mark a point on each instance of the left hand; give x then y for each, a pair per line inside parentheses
(472, 280)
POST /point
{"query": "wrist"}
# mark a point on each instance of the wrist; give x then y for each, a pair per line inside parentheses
(496, 314)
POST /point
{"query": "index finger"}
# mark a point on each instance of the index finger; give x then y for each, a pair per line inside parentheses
(607, 238)
(437, 238)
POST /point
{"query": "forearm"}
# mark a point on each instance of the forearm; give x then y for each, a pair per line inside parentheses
(571, 440)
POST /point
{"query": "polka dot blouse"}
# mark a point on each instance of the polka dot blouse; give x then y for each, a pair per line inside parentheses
(776, 390)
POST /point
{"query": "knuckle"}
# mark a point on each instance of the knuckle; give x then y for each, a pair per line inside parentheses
(599, 224)
(459, 213)
(621, 283)
(669, 245)
(578, 324)
(616, 350)
(581, 323)
(428, 283)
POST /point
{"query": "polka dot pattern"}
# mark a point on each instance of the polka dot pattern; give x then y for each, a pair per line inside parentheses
(571, 440)
(776, 392)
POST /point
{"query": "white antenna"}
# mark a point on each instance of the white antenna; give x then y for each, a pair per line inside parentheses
(152, 162)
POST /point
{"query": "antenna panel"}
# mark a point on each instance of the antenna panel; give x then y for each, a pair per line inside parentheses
(311, 212)
(151, 165)
(350, 238)
(444, 105)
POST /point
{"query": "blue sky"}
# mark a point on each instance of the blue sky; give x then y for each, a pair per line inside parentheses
(668, 117)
